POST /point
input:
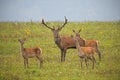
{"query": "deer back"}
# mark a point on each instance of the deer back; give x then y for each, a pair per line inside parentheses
(32, 52)
(91, 43)
(68, 42)
(88, 50)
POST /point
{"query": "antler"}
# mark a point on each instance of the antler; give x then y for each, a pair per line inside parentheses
(63, 24)
(46, 24)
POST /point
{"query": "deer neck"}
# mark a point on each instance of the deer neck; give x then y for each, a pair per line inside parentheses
(80, 52)
(81, 41)
(57, 40)
(21, 48)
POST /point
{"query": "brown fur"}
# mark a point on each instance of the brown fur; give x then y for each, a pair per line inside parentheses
(88, 50)
(90, 43)
(68, 42)
(30, 53)
(88, 54)
(65, 42)
(85, 52)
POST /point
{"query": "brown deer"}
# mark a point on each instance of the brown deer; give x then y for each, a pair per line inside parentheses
(90, 43)
(63, 42)
(85, 52)
(30, 53)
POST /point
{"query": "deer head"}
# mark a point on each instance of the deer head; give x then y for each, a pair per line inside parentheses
(77, 33)
(21, 41)
(55, 31)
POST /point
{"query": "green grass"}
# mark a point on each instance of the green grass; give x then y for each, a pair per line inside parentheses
(11, 62)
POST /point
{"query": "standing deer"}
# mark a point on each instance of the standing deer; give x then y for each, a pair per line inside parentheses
(90, 43)
(30, 53)
(64, 42)
(85, 52)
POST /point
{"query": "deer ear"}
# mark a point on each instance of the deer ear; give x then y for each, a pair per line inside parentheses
(73, 30)
(18, 39)
(79, 31)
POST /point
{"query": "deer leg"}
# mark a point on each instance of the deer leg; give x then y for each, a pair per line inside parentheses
(93, 64)
(99, 53)
(41, 60)
(64, 54)
(81, 60)
(86, 62)
(61, 55)
(25, 63)
(93, 60)
(81, 63)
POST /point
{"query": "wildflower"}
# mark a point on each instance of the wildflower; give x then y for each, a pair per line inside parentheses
(101, 32)
(82, 28)
(27, 32)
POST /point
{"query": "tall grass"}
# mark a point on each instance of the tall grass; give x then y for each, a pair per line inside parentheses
(11, 62)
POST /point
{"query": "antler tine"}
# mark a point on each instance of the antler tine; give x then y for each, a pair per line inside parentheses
(43, 21)
(66, 19)
(64, 23)
(46, 24)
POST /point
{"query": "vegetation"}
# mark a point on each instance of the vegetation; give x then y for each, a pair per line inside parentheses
(11, 61)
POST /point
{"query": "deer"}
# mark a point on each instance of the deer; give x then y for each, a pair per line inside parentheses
(90, 43)
(30, 53)
(85, 53)
(63, 42)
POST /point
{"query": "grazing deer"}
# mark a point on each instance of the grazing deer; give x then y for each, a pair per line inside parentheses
(85, 52)
(90, 43)
(30, 53)
(64, 42)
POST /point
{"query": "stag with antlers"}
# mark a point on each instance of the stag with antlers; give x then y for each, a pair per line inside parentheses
(63, 42)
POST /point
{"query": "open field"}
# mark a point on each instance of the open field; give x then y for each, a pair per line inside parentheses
(11, 62)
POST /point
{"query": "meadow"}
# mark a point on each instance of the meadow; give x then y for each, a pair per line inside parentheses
(11, 61)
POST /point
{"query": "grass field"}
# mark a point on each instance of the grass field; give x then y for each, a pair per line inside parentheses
(11, 62)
